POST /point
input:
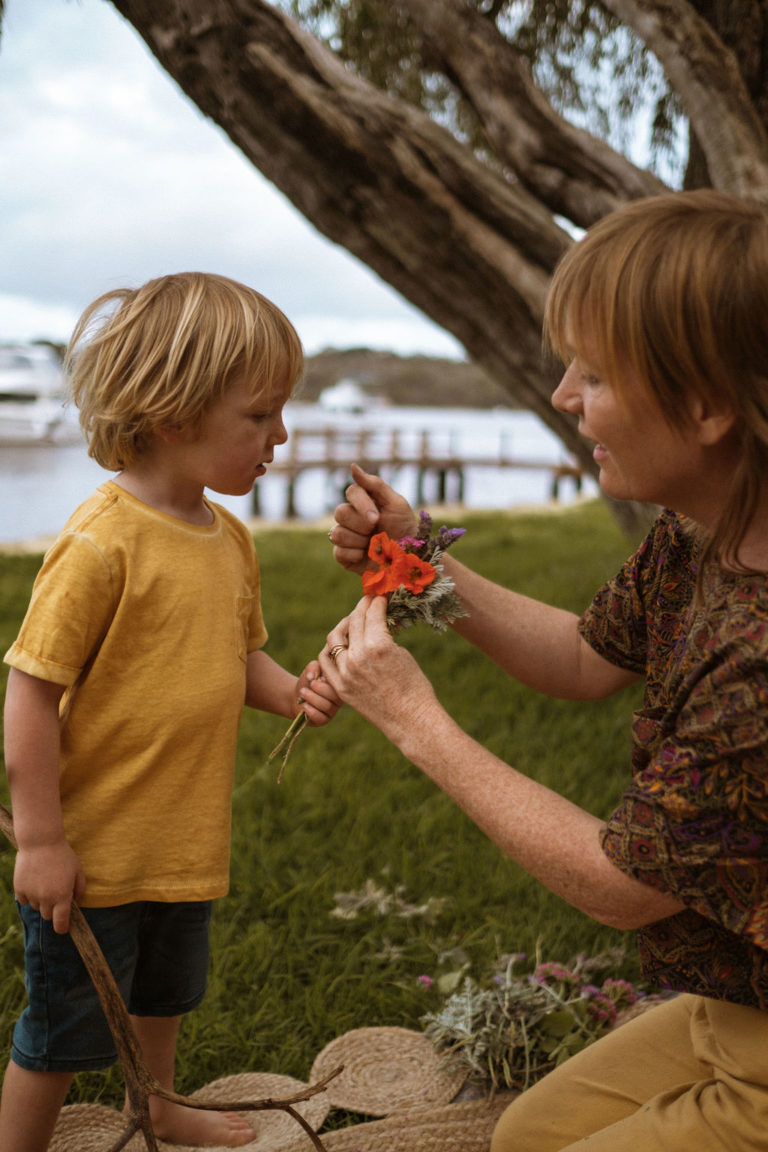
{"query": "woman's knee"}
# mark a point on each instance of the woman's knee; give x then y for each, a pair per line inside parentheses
(522, 1127)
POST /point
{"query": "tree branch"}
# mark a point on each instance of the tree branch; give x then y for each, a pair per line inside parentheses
(574, 173)
(706, 77)
(472, 250)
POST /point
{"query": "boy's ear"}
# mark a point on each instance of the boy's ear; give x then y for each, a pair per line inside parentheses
(171, 433)
(713, 421)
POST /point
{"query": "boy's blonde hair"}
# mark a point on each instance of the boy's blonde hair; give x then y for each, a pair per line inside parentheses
(677, 286)
(140, 359)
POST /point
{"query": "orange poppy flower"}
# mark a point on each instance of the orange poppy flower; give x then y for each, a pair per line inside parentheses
(383, 550)
(386, 552)
(396, 568)
(414, 573)
(381, 582)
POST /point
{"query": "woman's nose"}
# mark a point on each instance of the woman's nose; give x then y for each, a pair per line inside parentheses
(567, 396)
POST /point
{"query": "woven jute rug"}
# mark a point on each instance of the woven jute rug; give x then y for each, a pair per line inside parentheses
(93, 1128)
(87, 1128)
(271, 1129)
(386, 1070)
(462, 1127)
(465, 1127)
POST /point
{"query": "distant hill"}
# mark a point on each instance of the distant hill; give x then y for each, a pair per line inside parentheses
(425, 381)
(416, 380)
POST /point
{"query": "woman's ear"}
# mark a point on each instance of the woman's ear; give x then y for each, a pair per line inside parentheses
(713, 421)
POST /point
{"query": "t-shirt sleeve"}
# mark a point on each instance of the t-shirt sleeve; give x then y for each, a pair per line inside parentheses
(72, 602)
(694, 821)
(256, 630)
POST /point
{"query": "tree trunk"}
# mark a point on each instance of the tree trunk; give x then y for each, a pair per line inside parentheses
(572, 172)
(706, 75)
(471, 244)
(471, 249)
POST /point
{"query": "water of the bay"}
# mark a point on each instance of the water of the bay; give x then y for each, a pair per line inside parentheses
(42, 485)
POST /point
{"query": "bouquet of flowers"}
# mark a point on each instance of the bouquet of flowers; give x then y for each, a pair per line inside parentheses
(410, 574)
(510, 1031)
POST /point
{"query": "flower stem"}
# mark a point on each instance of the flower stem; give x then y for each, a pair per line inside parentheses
(297, 726)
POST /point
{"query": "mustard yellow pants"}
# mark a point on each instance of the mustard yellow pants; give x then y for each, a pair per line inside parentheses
(690, 1075)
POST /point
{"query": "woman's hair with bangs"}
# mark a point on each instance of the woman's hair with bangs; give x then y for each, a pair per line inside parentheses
(159, 355)
(677, 287)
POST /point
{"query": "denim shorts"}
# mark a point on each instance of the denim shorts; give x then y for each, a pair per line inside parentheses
(158, 954)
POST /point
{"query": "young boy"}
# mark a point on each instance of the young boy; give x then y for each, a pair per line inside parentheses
(142, 642)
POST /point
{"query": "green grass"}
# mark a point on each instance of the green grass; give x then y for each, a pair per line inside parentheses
(287, 976)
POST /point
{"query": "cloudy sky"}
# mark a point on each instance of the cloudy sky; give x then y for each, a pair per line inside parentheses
(110, 176)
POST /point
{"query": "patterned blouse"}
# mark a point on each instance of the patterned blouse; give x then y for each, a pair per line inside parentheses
(694, 820)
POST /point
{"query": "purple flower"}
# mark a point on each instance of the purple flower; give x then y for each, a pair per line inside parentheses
(448, 536)
(427, 981)
(600, 1006)
(551, 971)
(620, 991)
(424, 529)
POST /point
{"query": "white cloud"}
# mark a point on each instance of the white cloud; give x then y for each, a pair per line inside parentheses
(114, 177)
(22, 319)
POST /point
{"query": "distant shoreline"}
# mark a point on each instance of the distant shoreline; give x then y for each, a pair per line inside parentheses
(447, 512)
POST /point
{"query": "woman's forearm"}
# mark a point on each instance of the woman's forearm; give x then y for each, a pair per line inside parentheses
(525, 820)
(537, 644)
(551, 838)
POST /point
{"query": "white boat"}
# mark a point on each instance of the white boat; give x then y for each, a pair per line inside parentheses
(32, 397)
(348, 396)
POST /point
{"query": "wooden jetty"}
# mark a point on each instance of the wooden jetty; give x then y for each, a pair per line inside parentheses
(435, 453)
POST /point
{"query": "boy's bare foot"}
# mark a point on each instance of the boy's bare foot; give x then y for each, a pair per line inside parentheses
(200, 1129)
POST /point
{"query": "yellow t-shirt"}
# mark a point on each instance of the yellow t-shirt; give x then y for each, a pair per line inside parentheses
(147, 622)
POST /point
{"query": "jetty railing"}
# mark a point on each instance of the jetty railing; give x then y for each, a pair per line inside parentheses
(437, 454)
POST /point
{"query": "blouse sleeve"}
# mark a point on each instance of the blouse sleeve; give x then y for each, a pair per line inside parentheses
(694, 821)
(614, 623)
(638, 612)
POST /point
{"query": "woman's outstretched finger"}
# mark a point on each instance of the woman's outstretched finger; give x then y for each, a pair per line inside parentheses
(338, 637)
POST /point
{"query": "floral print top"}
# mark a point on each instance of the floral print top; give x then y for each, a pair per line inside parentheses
(694, 819)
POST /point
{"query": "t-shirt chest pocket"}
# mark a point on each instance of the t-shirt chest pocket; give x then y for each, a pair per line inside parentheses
(243, 611)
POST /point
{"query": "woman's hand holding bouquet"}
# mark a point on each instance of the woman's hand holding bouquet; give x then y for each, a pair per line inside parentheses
(403, 575)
